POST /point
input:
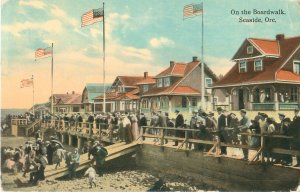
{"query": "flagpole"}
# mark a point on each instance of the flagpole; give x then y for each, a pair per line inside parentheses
(104, 97)
(33, 96)
(52, 81)
(202, 64)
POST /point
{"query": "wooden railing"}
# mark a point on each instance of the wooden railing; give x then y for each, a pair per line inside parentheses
(31, 128)
(19, 122)
(216, 144)
(92, 129)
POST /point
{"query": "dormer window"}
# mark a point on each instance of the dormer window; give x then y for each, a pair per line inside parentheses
(258, 65)
(166, 81)
(145, 88)
(159, 82)
(243, 66)
(208, 82)
(297, 67)
(249, 49)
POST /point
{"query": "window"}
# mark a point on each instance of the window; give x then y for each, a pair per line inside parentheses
(258, 65)
(159, 82)
(183, 102)
(208, 82)
(249, 49)
(294, 94)
(166, 82)
(194, 102)
(243, 66)
(145, 88)
(297, 67)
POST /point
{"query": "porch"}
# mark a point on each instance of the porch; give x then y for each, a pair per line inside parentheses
(185, 104)
(264, 97)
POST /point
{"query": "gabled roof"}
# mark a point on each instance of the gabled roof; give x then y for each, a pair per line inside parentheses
(94, 90)
(177, 69)
(272, 72)
(147, 80)
(119, 96)
(129, 81)
(67, 99)
(266, 46)
(175, 89)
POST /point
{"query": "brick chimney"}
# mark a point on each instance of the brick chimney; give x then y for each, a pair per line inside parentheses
(145, 75)
(280, 37)
(172, 63)
(195, 58)
(73, 92)
(67, 93)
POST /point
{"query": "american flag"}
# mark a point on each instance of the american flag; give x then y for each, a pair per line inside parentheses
(39, 53)
(192, 10)
(26, 83)
(92, 16)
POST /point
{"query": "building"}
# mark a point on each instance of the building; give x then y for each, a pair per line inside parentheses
(66, 103)
(89, 93)
(265, 75)
(123, 94)
(177, 87)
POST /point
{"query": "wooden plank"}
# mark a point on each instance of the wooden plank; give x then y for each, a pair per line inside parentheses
(114, 151)
(286, 151)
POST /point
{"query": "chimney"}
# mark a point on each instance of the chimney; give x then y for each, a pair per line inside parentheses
(280, 37)
(73, 92)
(67, 93)
(195, 58)
(145, 75)
(172, 63)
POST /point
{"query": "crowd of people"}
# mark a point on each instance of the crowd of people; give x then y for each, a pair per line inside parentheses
(228, 128)
(33, 158)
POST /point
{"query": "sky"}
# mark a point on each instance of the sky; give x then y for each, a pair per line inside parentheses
(140, 36)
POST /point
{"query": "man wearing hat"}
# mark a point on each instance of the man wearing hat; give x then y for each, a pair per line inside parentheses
(125, 129)
(74, 162)
(295, 132)
(244, 128)
(223, 122)
(179, 123)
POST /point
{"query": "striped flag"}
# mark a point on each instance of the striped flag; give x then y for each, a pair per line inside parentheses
(26, 83)
(41, 53)
(92, 16)
(192, 10)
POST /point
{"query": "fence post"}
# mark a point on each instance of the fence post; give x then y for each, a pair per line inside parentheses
(186, 139)
(262, 147)
(162, 137)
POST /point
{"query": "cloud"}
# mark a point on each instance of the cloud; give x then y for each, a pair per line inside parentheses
(219, 65)
(144, 54)
(51, 26)
(161, 41)
(37, 4)
(95, 32)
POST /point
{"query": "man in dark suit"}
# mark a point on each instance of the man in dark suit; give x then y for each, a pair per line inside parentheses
(162, 122)
(223, 122)
(179, 123)
(295, 132)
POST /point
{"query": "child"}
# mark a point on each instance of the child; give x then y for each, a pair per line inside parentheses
(92, 175)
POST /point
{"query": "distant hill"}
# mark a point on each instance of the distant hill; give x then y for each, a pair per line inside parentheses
(5, 112)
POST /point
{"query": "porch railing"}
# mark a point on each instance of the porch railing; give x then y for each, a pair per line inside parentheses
(289, 106)
(263, 106)
(215, 144)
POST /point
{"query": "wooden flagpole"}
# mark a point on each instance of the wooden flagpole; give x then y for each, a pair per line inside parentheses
(52, 81)
(202, 65)
(104, 96)
(32, 95)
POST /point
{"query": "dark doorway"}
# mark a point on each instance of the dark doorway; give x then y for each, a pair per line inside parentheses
(241, 99)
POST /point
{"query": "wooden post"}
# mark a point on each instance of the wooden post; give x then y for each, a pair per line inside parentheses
(162, 137)
(262, 148)
(186, 139)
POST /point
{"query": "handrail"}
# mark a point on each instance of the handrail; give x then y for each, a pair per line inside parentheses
(216, 143)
